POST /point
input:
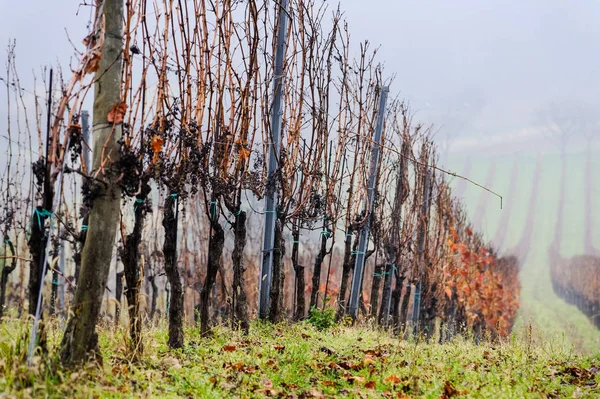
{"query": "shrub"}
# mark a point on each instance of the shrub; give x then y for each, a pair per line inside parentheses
(321, 319)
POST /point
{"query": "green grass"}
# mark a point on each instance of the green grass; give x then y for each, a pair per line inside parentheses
(554, 351)
(298, 361)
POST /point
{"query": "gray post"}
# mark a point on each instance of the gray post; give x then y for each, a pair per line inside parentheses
(61, 287)
(271, 195)
(87, 139)
(421, 251)
(359, 265)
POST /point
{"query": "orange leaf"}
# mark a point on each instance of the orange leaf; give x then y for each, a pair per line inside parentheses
(157, 143)
(465, 288)
(370, 384)
(244, 153)
(117, 112)
(392, 379)
(448, 291)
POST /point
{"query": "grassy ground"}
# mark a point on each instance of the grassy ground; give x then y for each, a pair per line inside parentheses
(297, 361)
(553, 353)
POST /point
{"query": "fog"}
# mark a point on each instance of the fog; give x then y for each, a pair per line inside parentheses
(499, 80)
(489, 67)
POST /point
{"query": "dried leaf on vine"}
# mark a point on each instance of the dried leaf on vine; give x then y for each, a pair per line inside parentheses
(243, 152)
(93, 64)
(157, 143)
(117, 112)
(448, 291)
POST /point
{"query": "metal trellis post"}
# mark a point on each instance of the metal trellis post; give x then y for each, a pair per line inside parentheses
(364, 232)
(271, 195)
(87, 138)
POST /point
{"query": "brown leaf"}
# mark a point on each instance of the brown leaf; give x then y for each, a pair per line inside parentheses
(289, 386)
(576, 375)
(392, 379)
(373, 352)
(370, 384)
(93, 63)
(240, 367)
(312, 393)
(351, 366)
(267, 391)
(450, 391)
(117, 112)
(229, 348)
(267, 383)
(328, 351)
(356, 379)
(334, 366)
(279, 348)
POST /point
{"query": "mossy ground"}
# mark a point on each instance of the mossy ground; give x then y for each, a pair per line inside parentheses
(297, 360)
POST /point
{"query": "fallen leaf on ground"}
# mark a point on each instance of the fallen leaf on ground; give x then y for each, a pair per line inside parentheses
(356, 379)
(312, 393)
(267, 383)
(450, 391)
(328, 351)
(279, 348)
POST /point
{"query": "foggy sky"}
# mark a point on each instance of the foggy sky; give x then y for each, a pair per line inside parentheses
(474, 68)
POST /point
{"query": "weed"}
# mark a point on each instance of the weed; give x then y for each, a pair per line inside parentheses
(321, 319)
